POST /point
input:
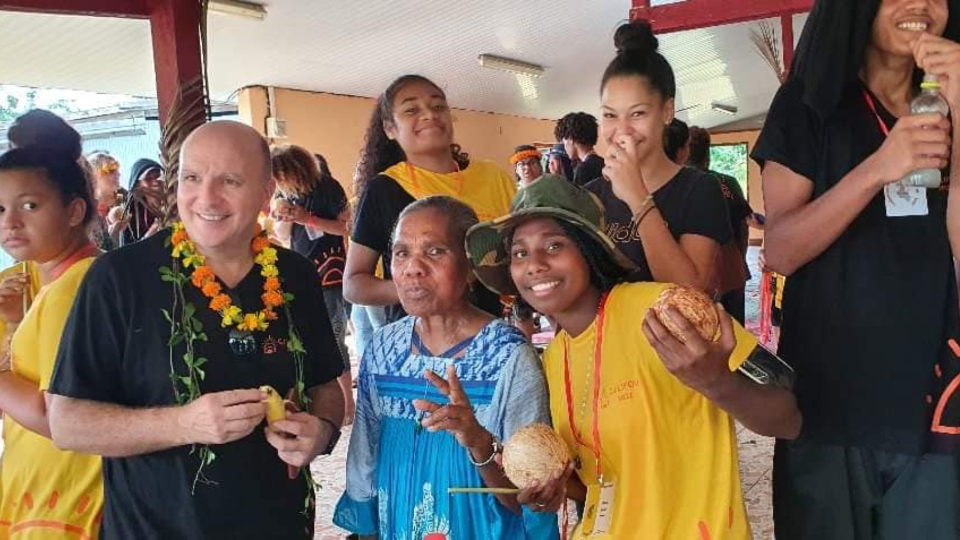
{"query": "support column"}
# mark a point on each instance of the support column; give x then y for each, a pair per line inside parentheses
(177, 55)
(786, 36)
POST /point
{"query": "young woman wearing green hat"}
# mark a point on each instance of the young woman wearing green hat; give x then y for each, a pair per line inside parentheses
(649, 419)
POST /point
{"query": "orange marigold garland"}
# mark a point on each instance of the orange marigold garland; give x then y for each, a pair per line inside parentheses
(204, 279)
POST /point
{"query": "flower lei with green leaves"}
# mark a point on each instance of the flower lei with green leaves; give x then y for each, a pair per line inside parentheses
(187, 330)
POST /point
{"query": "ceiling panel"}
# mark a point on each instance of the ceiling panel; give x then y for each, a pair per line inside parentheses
(357, 48)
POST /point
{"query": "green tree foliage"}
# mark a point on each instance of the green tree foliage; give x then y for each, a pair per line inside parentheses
(730, 159)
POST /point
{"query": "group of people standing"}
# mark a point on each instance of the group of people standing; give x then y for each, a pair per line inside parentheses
(135, 386)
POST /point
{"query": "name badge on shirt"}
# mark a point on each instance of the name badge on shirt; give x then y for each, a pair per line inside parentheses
(903, 201)
(598, 511)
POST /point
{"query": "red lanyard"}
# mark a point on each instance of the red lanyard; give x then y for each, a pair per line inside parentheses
(88, 250)
(416, 185)
(597, 350)
(873, 107)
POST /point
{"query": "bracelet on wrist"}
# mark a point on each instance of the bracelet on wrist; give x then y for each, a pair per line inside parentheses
(495, 449)
(646, 206)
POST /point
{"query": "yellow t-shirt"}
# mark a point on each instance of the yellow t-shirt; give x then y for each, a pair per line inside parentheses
(47, 493)
(482, 186)
(671, 452)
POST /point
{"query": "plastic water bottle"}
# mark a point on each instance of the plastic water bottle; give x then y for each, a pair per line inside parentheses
(929, 101)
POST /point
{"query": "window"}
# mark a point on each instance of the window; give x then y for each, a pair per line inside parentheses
(731, 159)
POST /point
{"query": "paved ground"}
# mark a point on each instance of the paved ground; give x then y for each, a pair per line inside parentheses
(756, 453)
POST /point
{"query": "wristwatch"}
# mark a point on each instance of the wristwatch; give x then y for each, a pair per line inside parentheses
(334, 436)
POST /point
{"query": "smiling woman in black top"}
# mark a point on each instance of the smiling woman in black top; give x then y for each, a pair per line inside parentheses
(668, 219)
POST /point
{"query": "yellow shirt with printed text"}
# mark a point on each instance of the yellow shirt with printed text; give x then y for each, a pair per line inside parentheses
(671, 452)
(48, 493)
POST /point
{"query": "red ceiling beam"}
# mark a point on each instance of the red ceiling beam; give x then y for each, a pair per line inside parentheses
(693, 14)
(139, 9)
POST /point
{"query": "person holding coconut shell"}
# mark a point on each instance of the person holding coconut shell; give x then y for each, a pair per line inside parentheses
(647, 415)
(437, 392)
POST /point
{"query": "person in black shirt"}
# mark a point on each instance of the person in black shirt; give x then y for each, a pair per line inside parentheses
(578, 132)
(121, 379)
(315, 206)
(676, 141)
(409, 155)
(871, 296)
(143, 186)
(670, 220)
(734, 272)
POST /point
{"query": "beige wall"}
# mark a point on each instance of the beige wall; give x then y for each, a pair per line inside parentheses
(754, 188)
(334, 126)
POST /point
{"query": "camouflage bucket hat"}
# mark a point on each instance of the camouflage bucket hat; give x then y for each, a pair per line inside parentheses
(551, 196)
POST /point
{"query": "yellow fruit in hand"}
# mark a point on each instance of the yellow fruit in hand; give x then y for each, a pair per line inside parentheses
(276, 409)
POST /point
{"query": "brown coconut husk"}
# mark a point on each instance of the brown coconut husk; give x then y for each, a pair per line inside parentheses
(534, 454)
(695, 306)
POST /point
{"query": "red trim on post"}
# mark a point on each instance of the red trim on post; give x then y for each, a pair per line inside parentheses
(175, 26)
(786, 36)
(94, 8)
(692, 14)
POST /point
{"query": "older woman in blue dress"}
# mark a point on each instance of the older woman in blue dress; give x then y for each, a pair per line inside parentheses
(437, 392)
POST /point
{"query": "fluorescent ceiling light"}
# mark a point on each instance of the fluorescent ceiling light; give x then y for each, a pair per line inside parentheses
(239, 8)
(510, 65)
(724, 108)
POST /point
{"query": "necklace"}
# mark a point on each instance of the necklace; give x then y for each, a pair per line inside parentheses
(231, 315)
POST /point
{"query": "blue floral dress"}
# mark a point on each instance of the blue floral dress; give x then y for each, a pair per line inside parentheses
(398, 474)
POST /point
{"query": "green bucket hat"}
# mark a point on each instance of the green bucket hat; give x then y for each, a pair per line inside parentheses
(551, 196)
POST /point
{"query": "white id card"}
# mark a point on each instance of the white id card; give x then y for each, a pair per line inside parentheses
(903, 201)
(598, 511)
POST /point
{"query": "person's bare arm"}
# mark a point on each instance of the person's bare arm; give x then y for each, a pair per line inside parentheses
(111, 430)
(704, 367)
(361, 285)
(23, 401)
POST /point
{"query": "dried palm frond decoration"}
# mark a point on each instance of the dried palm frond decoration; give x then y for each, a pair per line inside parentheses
(767, 44)
(189, 110)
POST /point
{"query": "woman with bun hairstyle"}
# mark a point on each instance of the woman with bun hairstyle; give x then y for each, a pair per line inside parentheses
(45, 209)
(647, 417)
(668, 219)
(409, 155)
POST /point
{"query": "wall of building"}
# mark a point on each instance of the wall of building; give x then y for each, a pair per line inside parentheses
(334, 125)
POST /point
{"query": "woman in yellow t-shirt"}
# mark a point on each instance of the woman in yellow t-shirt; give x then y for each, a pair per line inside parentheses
(45, 208)
(648, 419)
(409, 155)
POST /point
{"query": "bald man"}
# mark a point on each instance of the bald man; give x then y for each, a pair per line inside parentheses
(113, 392)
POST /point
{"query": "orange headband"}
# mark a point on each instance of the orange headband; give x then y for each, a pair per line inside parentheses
(524, 155)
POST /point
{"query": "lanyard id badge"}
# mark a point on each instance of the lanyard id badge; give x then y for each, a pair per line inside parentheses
(900, 200)
(598, 510)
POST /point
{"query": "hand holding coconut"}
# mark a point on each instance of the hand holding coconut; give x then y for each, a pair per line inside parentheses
(456, 417)
(693, 338)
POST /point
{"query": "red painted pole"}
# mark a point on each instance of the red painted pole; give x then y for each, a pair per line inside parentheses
(640, 10)
(175, 27)
(786, 36)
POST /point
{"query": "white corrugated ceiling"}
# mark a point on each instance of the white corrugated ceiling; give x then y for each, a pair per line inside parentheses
(357, 47)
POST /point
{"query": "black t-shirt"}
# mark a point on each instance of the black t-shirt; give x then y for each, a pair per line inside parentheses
(326, 252)
(866, 322)
(737, 206)
(691, 203)
(114, 350)
(380, 205)
(588, 170)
